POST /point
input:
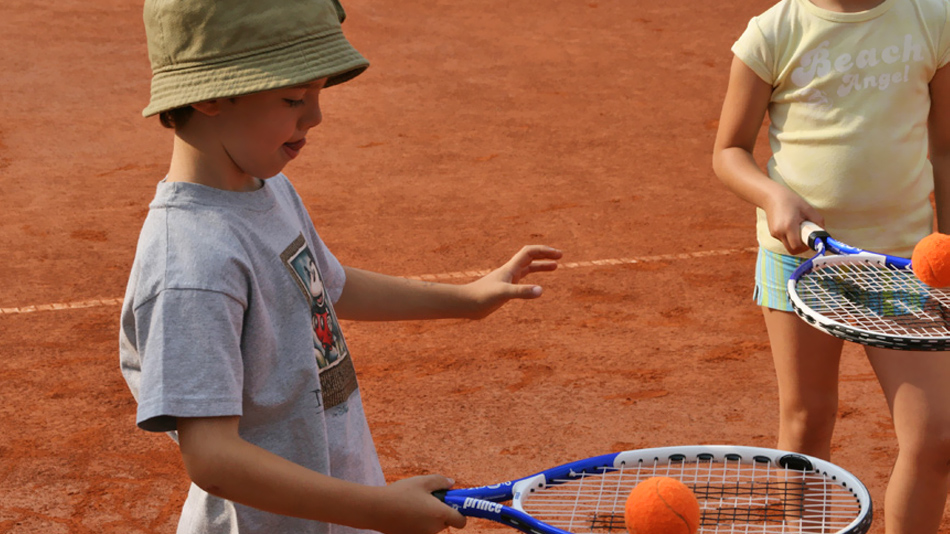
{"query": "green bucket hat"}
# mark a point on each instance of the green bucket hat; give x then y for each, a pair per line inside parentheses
(206, 49)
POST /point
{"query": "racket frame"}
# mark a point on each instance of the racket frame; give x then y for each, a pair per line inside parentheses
(486, 501)
(819, 240)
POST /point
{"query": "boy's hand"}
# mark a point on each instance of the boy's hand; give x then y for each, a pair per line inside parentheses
(786, 211)
(409, 507)
(501, 285)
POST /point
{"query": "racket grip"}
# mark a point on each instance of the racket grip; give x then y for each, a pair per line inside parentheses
(440, 494)
(811, 233)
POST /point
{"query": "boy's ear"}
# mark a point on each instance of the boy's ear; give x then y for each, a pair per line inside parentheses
(208, 107)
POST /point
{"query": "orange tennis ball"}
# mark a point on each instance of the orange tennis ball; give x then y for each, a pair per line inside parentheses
(931, 260)
(661, 505)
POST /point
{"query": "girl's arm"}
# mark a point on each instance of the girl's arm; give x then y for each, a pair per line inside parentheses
(221, 463)
(747, 99)
(939, 128)
(369, 296)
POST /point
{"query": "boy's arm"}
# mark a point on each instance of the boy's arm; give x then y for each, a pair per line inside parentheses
(369, 296)
(939, 129)
(747, 99)
(221, 463)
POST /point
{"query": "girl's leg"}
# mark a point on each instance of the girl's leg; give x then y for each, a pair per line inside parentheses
(806, 365)
(917, 388)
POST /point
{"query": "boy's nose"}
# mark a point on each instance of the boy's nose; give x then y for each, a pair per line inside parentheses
(313, 117)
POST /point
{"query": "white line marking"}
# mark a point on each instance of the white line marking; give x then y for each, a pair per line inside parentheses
(97, 303)
(93, 303)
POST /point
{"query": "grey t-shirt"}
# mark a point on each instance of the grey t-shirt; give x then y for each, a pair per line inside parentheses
(228, 312)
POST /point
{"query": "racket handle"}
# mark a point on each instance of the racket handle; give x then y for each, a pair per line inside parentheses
(811, 233)
(440, 494)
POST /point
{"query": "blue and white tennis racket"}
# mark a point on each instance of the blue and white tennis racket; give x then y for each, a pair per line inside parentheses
(739, 489)
(869, 298)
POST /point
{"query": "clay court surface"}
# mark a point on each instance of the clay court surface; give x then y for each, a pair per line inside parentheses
(480, 127)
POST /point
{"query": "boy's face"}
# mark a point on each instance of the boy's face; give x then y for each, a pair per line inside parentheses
(262, 132)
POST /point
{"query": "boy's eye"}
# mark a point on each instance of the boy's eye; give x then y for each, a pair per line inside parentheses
(294, 103)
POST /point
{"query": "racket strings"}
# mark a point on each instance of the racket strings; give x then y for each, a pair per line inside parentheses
(762, 506)
(734, 496)
(876, 298)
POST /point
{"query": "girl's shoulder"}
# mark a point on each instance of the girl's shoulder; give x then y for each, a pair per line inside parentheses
(932, 13)
(933, 19)
(778, 19)
(772, 27)
(781, 11)
(939, 8)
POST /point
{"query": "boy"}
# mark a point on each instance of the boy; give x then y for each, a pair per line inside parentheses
(229, 339)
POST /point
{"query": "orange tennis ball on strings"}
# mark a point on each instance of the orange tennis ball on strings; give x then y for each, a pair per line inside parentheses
(661, 505)
(931, 260)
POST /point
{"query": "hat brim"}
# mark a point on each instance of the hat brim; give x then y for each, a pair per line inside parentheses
(328, 55)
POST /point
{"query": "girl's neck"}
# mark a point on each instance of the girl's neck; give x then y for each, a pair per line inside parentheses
(847, 6)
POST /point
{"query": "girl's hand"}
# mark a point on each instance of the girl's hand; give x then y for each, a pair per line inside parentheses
(786, 211)
(501, 285)
(408, 507)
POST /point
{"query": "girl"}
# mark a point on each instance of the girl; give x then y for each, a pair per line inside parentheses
(856, 91)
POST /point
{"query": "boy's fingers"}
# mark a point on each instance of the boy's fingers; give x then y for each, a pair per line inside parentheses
(526, 291)
(456, 520)
(542, 266)
(546, 253)
(531, 265)
(536, 252)
(437, 482)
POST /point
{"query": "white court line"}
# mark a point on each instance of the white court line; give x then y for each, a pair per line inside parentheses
(96, 303)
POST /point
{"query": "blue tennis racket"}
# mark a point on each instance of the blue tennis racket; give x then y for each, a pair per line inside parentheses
(866, 297)
(739, 489)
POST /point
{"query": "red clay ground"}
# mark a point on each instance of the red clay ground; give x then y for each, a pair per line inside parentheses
(479, 128)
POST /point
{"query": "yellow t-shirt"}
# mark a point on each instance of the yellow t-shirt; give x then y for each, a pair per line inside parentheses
(848, 113)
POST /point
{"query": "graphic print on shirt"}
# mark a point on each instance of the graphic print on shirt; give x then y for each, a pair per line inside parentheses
(337, 375)
(866, 69)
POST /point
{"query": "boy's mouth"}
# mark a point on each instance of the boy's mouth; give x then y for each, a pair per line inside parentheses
(292, 149)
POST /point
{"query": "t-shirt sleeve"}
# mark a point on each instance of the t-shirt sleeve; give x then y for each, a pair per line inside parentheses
(752, 49)
(943, 52)
(190, 345)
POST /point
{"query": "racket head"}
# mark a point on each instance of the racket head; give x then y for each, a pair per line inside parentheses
(740, 489)
(870, 298)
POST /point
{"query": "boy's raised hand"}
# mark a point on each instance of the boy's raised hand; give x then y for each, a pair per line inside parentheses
(369, 296)
(501, 285)
(410, 508)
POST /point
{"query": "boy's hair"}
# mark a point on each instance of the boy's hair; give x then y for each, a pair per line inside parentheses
(176, 118)
(206, 49)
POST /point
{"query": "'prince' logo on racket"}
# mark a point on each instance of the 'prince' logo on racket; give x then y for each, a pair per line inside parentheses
(478, 504)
